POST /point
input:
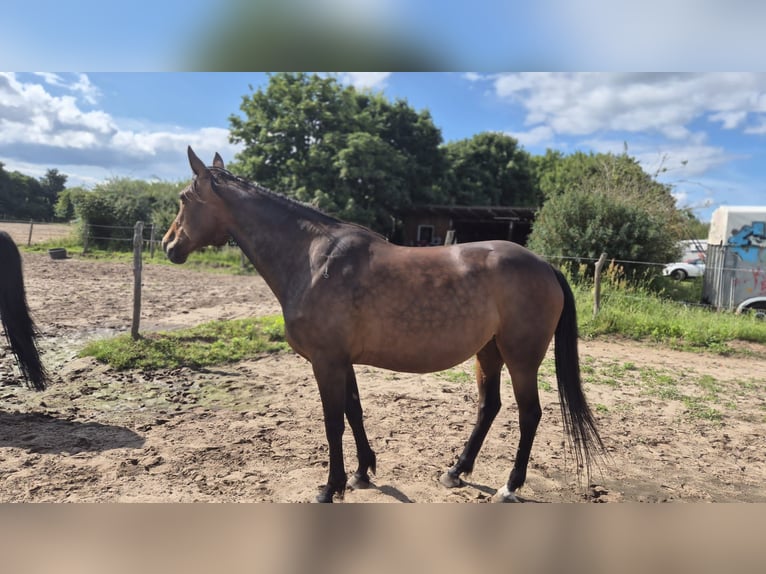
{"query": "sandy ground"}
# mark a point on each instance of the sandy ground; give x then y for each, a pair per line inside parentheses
(252, 431)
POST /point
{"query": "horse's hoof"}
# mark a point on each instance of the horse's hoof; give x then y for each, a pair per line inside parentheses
(358, 482)
(326, 495)
(450, 481)
(505, 495)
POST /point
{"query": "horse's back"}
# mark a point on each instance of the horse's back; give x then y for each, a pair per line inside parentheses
(428, 308)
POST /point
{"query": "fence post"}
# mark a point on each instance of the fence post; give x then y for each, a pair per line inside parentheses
(138, 240)
(31, 226)
(85, 239)
(597, 284)
(151, 242)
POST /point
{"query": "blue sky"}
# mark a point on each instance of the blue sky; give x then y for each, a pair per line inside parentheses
(708, 130)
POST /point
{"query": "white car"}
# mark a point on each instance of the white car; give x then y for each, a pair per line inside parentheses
(684, 269)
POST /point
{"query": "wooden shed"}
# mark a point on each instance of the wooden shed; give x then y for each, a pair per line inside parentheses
(431, 224)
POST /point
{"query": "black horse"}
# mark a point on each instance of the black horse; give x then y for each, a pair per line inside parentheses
(19, 328)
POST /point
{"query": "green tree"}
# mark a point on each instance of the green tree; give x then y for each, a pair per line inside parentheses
(24, 197)
(692, 226)
(605, 203)
(52, 184)
(556, 173)
(490, 169)
(353, 154)
(11, 196)
(64, 210)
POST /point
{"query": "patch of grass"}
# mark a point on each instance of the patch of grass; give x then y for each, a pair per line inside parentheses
(547, 368)
(643, 314)
(544, 386)
(456, 376)
(710, 385)
(698, 409)
(665, 386)
(752, 384)
(208, 344)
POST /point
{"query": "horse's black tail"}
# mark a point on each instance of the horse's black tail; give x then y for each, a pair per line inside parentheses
(578, 420)
(18, 325)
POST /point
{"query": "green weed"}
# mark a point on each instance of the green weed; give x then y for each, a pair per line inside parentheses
(639, 313)
(209, 344)
(456, 376)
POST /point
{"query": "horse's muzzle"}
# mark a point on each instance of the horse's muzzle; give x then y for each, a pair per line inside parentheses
(175, 255)
(170, 246)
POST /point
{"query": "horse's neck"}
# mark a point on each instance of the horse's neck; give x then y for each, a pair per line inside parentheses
(278, 237)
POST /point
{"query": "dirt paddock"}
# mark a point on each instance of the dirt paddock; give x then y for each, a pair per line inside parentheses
(252, 431)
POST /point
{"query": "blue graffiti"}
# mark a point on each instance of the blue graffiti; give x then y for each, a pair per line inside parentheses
(742, 241)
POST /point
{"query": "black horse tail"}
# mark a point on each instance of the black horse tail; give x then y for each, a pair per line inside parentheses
(18, 325)
(579, 425)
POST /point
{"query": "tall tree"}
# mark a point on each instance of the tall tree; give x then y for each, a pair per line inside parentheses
(51, 185)
(490, 168)
(351, 153)
(24, 197)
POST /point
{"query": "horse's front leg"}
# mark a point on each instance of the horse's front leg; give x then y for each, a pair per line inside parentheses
(331, 378)
(364, 454)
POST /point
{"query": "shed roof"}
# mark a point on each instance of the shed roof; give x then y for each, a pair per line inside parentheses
(475, 212)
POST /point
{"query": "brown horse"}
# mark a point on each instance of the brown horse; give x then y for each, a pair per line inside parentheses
(350, 297)
(18, 325)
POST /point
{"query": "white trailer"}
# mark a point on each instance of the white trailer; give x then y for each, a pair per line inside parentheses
(735, 270)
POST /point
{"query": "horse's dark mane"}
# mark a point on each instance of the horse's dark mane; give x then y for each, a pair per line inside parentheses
(256, 189)
(315, 215)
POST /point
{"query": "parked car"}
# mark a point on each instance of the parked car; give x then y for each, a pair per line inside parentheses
(684, 269)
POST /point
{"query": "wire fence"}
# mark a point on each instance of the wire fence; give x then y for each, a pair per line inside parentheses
(122, 238)
(32, 232)
(108, 236)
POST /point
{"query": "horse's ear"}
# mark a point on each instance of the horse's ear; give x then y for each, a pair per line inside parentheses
(218, 161)
(198, 167)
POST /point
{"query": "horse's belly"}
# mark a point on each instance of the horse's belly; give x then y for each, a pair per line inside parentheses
(426, 345)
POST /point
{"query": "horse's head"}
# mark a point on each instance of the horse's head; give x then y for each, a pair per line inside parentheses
(202, 218)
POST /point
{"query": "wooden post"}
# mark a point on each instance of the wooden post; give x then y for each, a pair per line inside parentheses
(138, 240)
(85, 239)
(597, 284)
(31, 226)
(151, 242)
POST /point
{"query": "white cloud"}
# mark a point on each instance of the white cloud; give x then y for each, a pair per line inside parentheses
(662, 103)
(39, 128)
(670, 161)
(365, 80)
(537, 136)
(79, 83)
(729, 120)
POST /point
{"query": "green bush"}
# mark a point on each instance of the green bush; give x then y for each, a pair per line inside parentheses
(109, 211)
(583, 224)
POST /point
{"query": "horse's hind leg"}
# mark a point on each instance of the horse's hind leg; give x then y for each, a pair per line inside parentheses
(364, 454)
(524, 379)
(489, 365)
